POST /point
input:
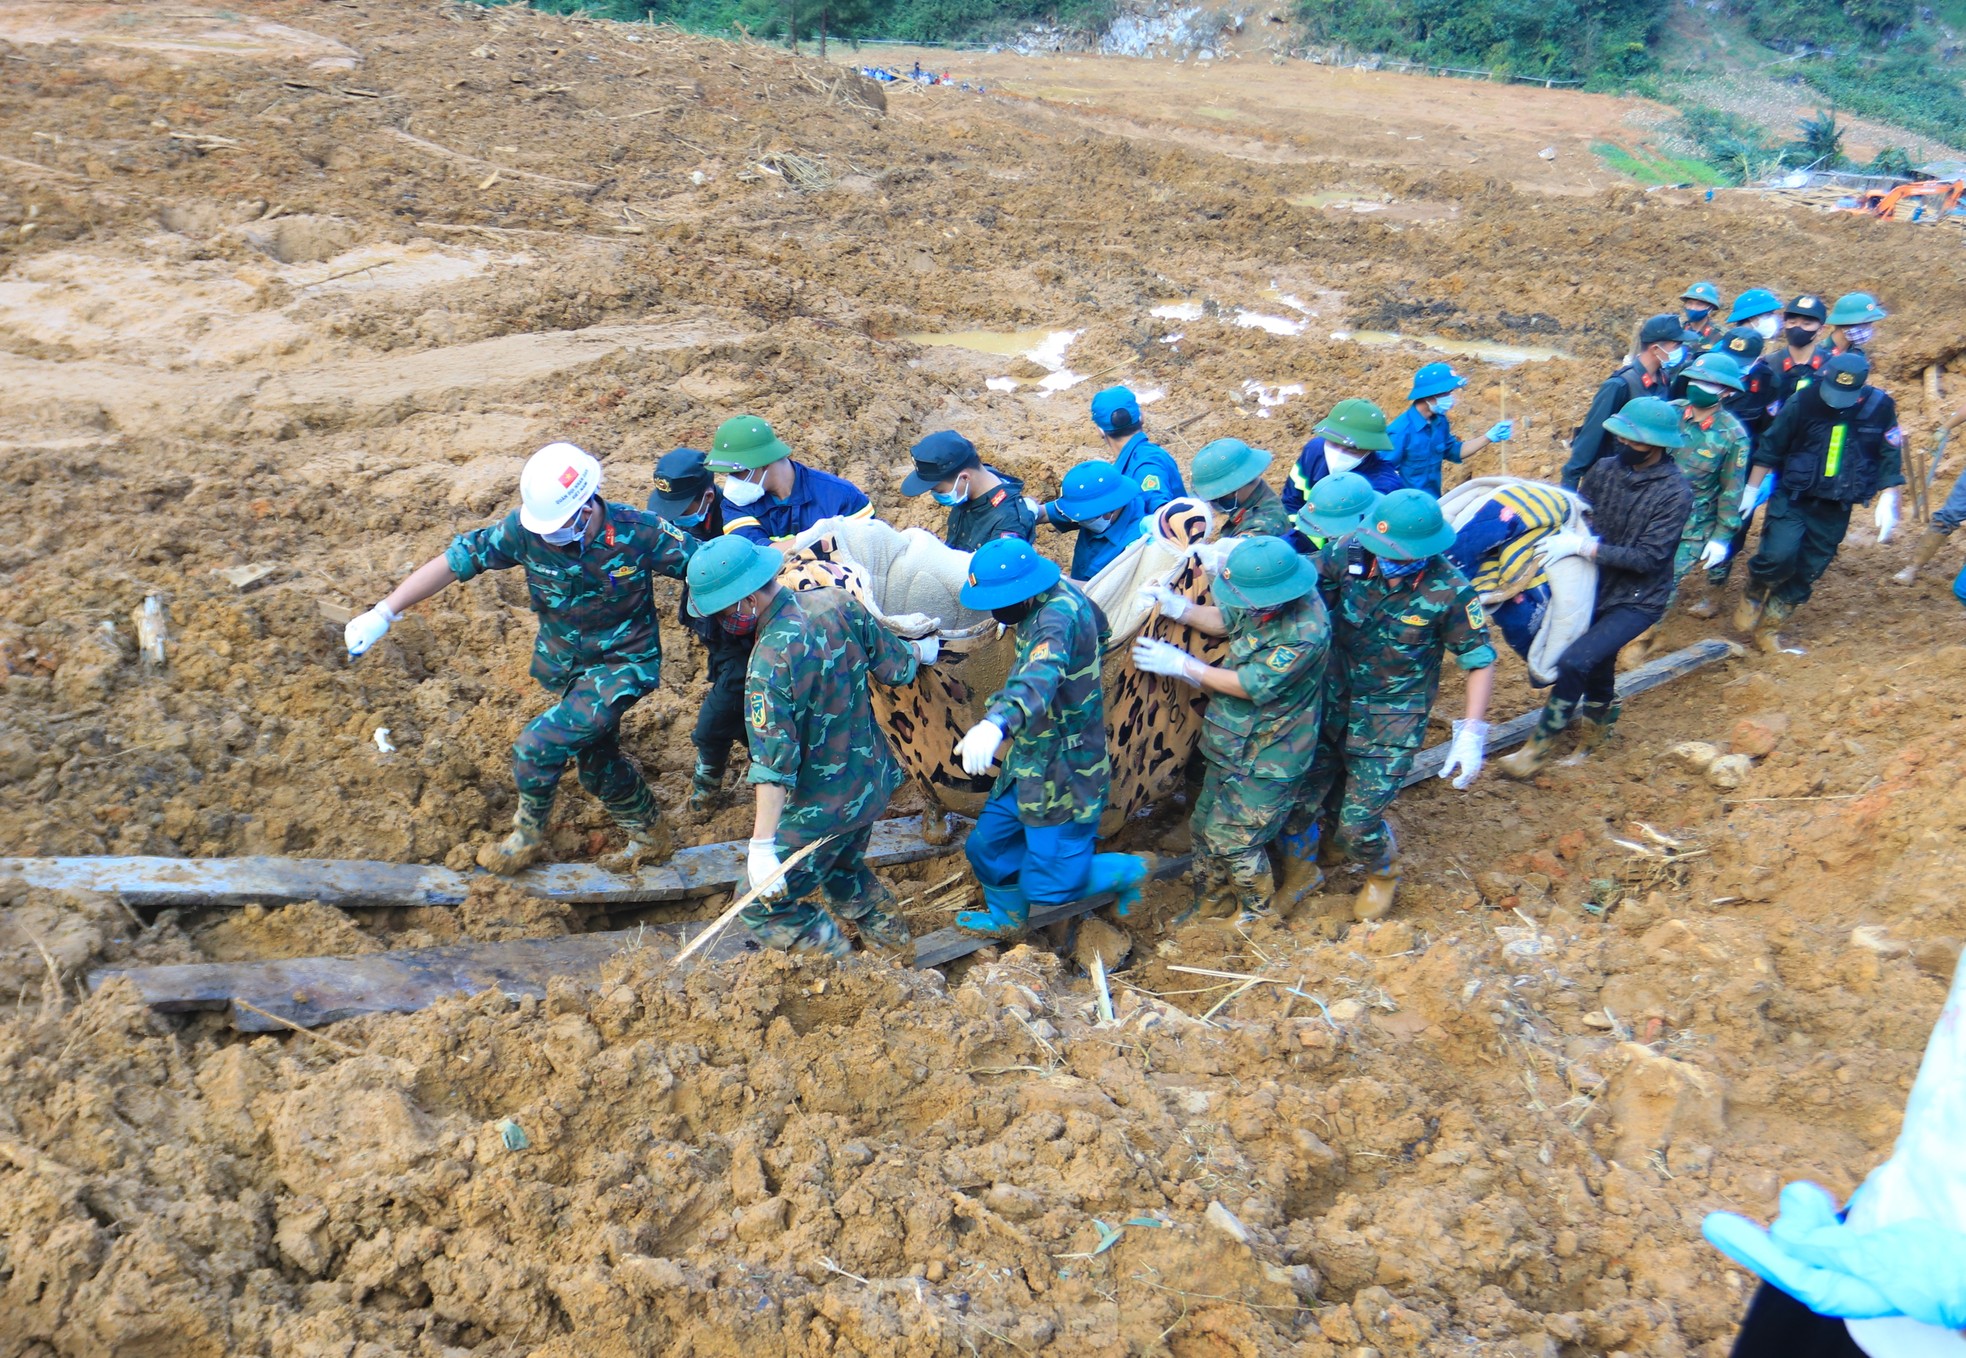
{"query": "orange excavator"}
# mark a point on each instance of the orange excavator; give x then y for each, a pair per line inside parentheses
(1883, 204)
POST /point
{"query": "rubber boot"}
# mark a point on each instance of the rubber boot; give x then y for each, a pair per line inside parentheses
(822, 937)
(1922, 553)
(1298, 873)
(526, 844)
(1375, 898)
(1215, 895)
(1698, 594)
(1121, 873)
(706, 785)
(1767, 631)
(881, 928)
(1536, 751)
(649, 838)
(1747, 613)
(1594, 724)
(1003, 914)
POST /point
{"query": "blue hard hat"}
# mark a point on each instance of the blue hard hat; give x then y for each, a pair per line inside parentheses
(1435, 379)
(1006, 571)
(1095, 488)
(1754, 302)
(1116, 410)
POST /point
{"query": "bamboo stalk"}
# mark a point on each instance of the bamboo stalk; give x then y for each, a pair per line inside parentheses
(1099, 984)
(321, 1038)
(717, 925)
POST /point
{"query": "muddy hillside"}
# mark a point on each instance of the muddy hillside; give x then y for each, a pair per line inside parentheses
(286, 298)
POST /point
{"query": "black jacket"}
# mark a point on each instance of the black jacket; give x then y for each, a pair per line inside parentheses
(1000, 514)
(1803, 445)
(1589, 443)
(1638, 514)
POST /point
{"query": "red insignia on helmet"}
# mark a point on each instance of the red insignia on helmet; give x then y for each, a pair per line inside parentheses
(569, 476)
(1383, 525)
(972, 577)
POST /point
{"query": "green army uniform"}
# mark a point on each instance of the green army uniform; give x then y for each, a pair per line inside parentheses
(812, 731)
(1258, 749)
(1388, 637)
(1053, 714)
(1715, 463)
(1263, 513)
(599, 647)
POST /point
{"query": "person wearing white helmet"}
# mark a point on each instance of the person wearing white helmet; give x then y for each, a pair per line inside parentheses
(589, 565)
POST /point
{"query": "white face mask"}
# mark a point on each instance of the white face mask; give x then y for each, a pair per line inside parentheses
(569, 531)
(742, 492)
(1443, 404)
(1768, 326)
(1341, 459)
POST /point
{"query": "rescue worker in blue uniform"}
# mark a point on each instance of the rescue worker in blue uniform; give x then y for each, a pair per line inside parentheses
(1116, 414)
(1352, 438)
(767, 496)
(1103, 506)
(1422, 437)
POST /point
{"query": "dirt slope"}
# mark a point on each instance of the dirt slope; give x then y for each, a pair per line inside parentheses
(263, 306)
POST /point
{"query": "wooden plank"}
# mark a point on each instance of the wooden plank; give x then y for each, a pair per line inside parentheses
(946, 945)
(159, 882)
(1651, 674)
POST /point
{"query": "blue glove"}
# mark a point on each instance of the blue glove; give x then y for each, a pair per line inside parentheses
(1767, 489)
(1503, 431)
(1912, 1268)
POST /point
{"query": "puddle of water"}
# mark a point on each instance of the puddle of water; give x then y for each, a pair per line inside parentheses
(1488, 351)
(1180, 309)
(1008, 343)
(1273, 325)
(1345, 199)
(1268, 398)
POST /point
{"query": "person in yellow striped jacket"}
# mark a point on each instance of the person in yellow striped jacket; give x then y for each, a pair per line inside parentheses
(1496, 551)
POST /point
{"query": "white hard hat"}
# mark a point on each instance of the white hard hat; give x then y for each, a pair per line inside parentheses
(558, 480)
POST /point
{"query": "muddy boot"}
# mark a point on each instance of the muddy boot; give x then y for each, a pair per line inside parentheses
(823, 937)
(1698, 598)
(706, 785)
(1252, 904)
(1003, 914)
(649, 838)
(1594, 724)
(1747, 613)
(1922, 553)
(1706, 606)
(1375, 898)
(526, 844)
(1120, 873)
(879, 924)
(1298, 873)
(1767, 633)
(1536, 751)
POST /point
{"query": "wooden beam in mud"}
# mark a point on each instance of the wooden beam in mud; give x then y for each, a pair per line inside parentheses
(159, 882)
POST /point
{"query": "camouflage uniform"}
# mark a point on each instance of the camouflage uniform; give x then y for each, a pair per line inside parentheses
(1259, 748)
(1388, 637)
(599, 645)
(1264, 513)
(812, 732)
(1716, 466)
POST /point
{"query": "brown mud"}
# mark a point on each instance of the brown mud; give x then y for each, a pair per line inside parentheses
(260, 309)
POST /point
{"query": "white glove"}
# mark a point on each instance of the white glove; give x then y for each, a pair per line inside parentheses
(1750, 497)
(1161, 657)
(1885, 516)
(1173, 607)
(978, 747)
(1465, 754)
(1035, 507)
(1502, 432)
(1566, 544)
(366, 630)
(927, 649)
(1712, 554)
(759, 866)
(1214, 555)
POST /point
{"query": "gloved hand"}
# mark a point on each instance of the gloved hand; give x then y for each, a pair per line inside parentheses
(1712, 554)
(1161, 657)
(927, 649)
(1173, 607)
(1885, 515)
(1915, 1268)
(978, 747)
(1566, 544)
(1464, 756)
(1035, 507)
(367, 629)
(1214, 555)
(1751, 496)
(760, 864)
(1502, 431)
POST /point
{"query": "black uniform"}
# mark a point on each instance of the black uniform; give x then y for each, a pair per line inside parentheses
(1588, 444)
(1000, 514)
(1750, 406)
(1826, 460)
(1791, 377)
(720, 721)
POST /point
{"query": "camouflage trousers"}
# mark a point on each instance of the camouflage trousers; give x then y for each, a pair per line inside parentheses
(583, 730)
(840, 872)
(1235, 818)
(1363, 756)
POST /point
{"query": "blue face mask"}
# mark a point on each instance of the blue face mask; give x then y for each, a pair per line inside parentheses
(1396, 570)
(688, 520)
(951, 498)
(1698, 311)
(1443, 404)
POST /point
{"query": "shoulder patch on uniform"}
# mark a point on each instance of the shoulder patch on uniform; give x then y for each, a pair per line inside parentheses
(1283, 657)
(757, 710)
(1042, 651)
(1477, 617)
(997, 499)
(1151, 481)
(1895, 436)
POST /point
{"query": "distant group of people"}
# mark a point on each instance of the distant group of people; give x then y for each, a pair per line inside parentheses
(884, 76)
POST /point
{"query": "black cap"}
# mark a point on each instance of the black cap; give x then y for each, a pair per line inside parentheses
(1743, 344)
(937, 458)
(681, 477)
(1662, 330)
(1808, 305)
(1842, 382)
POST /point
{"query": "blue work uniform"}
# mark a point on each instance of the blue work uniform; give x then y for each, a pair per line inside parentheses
(1095, 551)
(1420, 444)
(1311, 468)
(1150, 465)
(815, 495)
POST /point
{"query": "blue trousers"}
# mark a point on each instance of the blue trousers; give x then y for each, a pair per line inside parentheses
(1051, 862)
(1518, 618)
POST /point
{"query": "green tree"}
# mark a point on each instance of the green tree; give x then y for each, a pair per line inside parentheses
(1820, 145)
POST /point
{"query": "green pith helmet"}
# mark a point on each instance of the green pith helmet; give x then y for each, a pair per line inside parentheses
(1357, 424)
(1650, 421)
(1339, 503)
(1701, 292)
(1717, 367)
(1226, 466)
(726, 570)
(745, 443)
(1006, 571)
(1263, 572)
(1407, 525)
(1856, 308)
